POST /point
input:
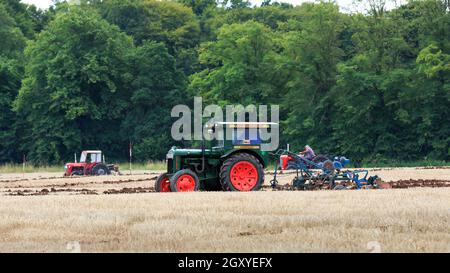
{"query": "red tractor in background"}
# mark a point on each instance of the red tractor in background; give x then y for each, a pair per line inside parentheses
(91, 163)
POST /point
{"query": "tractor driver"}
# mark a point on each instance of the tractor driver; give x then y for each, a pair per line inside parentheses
(308, 153)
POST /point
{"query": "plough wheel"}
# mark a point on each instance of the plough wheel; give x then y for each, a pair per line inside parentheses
(339, 187)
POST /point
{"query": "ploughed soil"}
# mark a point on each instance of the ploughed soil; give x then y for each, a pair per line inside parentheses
(36, 184)
(411, 183)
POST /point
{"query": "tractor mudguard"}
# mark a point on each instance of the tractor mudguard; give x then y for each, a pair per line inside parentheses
(261, 159)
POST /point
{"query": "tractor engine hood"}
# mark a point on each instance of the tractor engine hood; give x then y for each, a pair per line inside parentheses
(75, 165)
(174, 151)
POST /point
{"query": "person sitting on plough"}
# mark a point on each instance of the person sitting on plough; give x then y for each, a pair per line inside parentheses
(308, 153)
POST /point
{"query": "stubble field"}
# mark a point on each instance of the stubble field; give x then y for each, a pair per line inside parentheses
(43, 212)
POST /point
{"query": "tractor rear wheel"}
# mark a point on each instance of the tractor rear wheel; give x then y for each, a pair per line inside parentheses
(241, 172)
(100, 169)
(184, 180)
(162, 183)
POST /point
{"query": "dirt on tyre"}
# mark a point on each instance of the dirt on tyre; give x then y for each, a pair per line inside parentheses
(242, 172)
(184, 181)
(162, 183)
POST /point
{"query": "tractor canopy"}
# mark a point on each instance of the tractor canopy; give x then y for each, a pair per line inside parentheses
(91, 156)
(233, 134)
(244, 135)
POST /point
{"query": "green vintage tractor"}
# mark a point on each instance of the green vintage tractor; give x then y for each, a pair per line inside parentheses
(235, 164)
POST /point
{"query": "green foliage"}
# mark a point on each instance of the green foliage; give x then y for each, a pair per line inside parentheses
(73, 93)
(13, 40)
(242, 66)
(373, 86)
(393, 96)
(433, 62)
(157, 86)
(29, 19)
(10, 75)
(163, 21)
(199, 7)
(313, 50)
(11, 70)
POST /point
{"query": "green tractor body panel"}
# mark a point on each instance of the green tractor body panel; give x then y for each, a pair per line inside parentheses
(206, 163)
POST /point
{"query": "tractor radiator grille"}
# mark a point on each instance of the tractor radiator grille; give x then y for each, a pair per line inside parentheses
(169, 165)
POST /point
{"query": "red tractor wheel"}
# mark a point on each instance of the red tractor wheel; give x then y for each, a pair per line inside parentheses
(242, 172)
(184, 180)
(100, 169)
(162, 183)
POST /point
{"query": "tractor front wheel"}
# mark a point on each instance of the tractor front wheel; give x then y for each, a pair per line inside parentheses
(184, 180)
(77, 173)
(242, 172)
(162, 183)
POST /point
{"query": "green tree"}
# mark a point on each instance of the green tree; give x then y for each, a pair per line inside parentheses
(241, 66)
(74, 92)
(13, 40)
(163, 21)
(387, 93)
(28, 18)
(313, 51)
(157, 86)
(206, 12)
(199, 7)
(271, 15)
(238, 4)
(11, 70)
(371, 85)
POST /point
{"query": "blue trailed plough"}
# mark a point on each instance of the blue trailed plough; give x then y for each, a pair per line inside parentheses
(325, 175)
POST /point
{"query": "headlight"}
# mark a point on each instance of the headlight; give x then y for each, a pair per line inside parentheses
(65, 167)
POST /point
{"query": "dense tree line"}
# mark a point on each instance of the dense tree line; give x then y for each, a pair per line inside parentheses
(372, 85)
